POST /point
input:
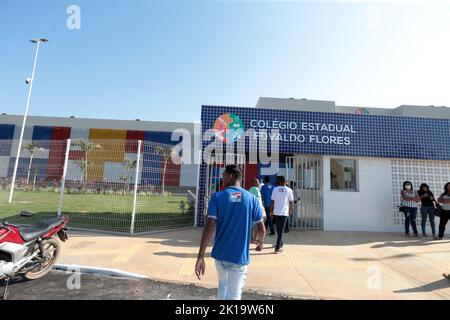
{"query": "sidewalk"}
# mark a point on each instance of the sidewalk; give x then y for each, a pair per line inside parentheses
(314, 264)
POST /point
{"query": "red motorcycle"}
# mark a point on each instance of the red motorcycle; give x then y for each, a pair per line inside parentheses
(30, 250)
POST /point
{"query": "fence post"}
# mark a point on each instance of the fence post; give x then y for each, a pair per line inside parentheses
(138, 160)
(198, 188)
(63, 178)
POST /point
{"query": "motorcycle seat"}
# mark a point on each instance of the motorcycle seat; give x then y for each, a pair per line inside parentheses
(37, 229)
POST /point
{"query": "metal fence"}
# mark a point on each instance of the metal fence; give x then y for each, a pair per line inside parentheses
(125, 186)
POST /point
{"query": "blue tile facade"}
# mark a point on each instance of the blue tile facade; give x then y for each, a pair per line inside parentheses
(6, 134)
(159, 137)
(43, 135)
(152, 162)
(7, 131)
(38, 168)
(337, 134)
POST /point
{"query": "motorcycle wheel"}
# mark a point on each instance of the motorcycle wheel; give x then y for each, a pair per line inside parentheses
(52, 249)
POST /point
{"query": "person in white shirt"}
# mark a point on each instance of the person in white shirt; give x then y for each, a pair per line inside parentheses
(280, 208)
(260, 185)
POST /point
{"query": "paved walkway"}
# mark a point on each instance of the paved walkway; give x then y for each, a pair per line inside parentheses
(314, 264)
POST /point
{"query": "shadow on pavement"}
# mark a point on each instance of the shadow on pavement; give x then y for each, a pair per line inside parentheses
(397, 256)
(191, 238)
(415, 243)
(429, 287)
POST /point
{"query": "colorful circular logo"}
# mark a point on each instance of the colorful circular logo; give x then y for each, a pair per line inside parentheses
(228, 127)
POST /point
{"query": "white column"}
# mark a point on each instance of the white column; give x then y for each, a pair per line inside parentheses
(136, 179)
(23, 126)
(198, 187)
(63, 178)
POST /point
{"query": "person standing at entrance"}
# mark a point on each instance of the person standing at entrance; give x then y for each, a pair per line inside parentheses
(427, 208)
(254, 190)
(280, 208)
(260, 185)
(233, 211)
(409, 200)
(266, 192)
(296, 211)
(444, 199)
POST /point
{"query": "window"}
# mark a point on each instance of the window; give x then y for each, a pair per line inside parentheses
(343, 174)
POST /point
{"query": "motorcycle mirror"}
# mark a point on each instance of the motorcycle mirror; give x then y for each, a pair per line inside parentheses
(26, 214)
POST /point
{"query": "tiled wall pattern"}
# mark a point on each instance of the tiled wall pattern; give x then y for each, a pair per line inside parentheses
(375, 136)
(104, 164)
(433, 173)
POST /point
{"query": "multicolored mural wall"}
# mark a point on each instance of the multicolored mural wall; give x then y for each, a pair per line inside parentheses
(105, 164)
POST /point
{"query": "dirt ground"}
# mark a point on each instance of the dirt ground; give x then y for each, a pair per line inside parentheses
(98, 287)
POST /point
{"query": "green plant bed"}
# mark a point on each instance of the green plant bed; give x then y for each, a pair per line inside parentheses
(99, 211)
(40, 201)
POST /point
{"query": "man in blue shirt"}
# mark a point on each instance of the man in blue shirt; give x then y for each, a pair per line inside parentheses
(233, 210)
(266, 192)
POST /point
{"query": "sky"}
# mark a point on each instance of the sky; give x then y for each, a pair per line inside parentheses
(162, 60)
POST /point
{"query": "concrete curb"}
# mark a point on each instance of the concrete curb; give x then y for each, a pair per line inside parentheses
(96, 270)
(129, 275)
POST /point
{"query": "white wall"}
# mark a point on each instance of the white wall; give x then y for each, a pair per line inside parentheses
(368, 209)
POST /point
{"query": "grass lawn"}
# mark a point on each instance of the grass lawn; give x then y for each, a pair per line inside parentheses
(98, 211)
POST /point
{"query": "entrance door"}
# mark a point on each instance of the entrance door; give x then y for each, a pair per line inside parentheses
(305, 174)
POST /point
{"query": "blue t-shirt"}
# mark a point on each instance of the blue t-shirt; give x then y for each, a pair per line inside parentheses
(266, 192)
(235, 210)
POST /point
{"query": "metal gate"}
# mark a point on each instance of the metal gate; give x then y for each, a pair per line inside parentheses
(214, 174)
(305, 175)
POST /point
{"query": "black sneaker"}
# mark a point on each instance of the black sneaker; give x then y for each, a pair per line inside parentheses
(271, 234)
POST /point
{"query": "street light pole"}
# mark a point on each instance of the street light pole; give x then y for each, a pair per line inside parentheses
(38, 42)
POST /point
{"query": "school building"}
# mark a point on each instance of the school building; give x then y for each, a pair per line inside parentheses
(347, 163)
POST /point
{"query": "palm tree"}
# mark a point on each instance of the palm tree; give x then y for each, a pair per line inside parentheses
(86, 147)
(166, 152)
(129, 166)
(35, 174)
(32, 148)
